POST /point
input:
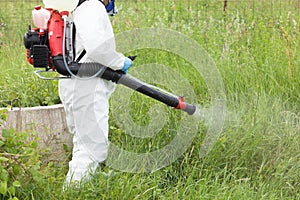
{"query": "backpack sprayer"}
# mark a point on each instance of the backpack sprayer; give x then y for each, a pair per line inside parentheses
(51, 48)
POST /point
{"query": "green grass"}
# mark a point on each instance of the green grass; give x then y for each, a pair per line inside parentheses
(18, 85)
(255, 46)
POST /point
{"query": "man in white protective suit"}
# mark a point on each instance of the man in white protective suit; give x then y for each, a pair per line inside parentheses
(86, 101)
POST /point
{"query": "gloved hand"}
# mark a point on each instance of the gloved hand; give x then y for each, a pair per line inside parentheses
(127, 64)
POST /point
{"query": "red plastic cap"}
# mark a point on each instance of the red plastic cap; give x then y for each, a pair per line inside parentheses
(64, 13)
(38, 7)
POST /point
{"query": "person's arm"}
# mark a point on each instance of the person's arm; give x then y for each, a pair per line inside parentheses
(95, 34)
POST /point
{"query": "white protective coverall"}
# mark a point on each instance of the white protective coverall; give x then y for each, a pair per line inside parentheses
(86, 102)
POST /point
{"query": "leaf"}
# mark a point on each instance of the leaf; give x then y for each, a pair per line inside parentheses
(3, 187)
(36, 175)
(16, 169)
(16, 184)
(66, 148)
(34, 144)
(3, 114)
(3, 159)
(12, 190)
(7, 133)
(15, 198)
(4, 175)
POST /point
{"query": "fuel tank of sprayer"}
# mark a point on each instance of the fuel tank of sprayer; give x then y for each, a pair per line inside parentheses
(40, 17)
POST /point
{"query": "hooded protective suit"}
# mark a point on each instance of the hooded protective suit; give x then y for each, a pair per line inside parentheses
(86, 102)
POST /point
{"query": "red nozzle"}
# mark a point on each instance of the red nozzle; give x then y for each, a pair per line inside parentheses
(181, 104)
(189, 108)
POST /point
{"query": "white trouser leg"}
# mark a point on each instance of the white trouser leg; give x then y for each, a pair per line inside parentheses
(87, 105)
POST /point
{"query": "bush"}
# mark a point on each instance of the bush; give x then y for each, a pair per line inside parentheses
(19, 161)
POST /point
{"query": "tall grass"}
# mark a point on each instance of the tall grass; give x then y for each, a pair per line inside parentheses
(19, 86)
(255, 45)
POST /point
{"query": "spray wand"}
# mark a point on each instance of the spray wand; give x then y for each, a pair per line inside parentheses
(120, 77)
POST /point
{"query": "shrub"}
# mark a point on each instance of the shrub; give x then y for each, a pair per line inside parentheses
(19, 161)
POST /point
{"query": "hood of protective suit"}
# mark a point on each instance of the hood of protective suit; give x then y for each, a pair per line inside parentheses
(61, 5)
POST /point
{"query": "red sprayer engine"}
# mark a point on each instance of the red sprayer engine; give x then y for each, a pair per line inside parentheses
(43, 46)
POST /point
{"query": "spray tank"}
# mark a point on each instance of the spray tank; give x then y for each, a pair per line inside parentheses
(53, 50)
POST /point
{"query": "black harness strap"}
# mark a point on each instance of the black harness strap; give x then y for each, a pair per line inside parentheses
(81, 56)
(80, 2)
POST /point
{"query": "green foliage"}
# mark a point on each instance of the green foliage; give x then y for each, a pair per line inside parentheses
(19, 162)
(18, 85)
(28, 90)
(255, 45)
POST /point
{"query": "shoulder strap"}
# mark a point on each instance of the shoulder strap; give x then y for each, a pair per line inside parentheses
(80, 2)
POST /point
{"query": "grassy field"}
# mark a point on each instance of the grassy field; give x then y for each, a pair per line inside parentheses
(255, 45)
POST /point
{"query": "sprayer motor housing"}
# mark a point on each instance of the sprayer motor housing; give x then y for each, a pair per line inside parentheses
(43, 46)
(37, 48)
